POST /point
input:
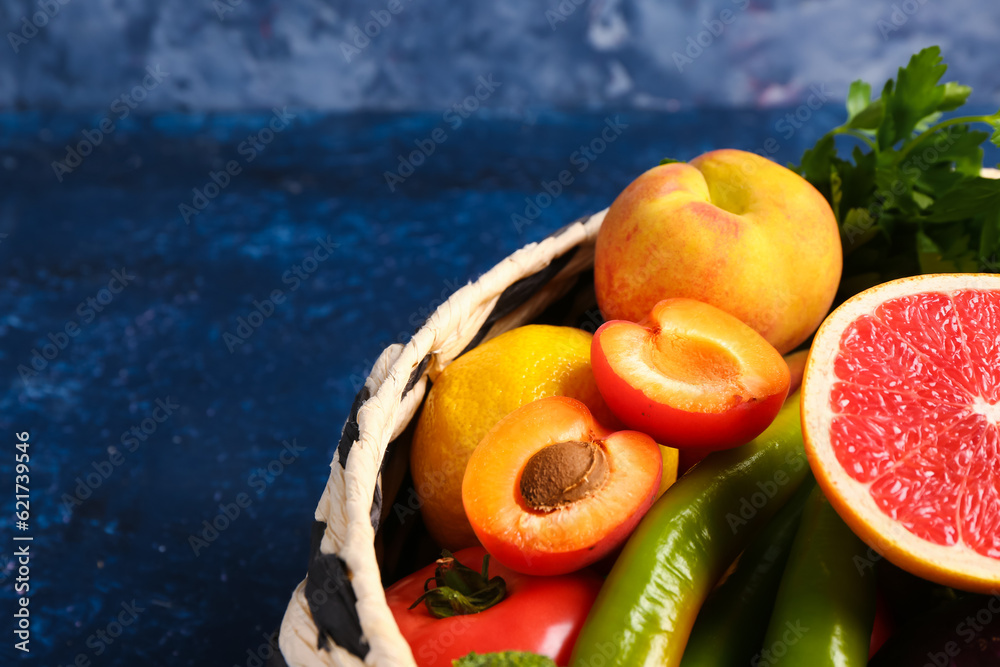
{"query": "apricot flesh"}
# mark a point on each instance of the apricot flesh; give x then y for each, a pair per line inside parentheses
(690, 375)
(562, 537)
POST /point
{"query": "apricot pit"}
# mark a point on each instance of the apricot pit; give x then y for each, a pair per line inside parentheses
(562, 474)
(550, 490)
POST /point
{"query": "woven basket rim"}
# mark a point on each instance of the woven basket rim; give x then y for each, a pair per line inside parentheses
(509, 294)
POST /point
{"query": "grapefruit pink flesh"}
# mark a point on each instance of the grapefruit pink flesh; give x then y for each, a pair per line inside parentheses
(912, 418)
(915, 423)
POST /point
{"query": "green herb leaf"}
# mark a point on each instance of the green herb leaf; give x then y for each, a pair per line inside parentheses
(916, 95)
(816, 164)
(505, 659)
(858, 98)
(868, 118)
(913, 200)
(969, 198)
(989, 243)
(669, 160)
(947, 252)
(955, 95)
(836, 192)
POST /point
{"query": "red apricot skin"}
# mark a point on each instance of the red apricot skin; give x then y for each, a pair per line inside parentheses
(702, 412)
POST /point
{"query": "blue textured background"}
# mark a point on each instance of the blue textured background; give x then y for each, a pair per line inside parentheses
(293, 379)
(399, 251)
(567, 54)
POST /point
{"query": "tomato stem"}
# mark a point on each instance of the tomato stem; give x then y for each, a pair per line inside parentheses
(460, 590)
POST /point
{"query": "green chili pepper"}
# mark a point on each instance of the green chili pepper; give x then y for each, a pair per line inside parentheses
(647, 606)
(825, 608)
(731, 624)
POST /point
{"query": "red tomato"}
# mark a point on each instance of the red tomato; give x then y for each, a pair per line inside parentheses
(882, 629)
(539, 614)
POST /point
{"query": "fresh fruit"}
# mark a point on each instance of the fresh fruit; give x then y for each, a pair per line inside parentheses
(505, 659)
(730, 627)
(796, 362)
(730, 228)
(538, 614)
(690, 375)
(825, 607)
(670, 458)
(684, 544)
(473, 393)
(549, 490)
(882, 628)
(900, 411)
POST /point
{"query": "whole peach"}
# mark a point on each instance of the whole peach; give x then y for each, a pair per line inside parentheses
(730, 228)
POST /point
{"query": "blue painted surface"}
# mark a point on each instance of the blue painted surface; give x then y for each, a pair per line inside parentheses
(164, 335)
(566, 54)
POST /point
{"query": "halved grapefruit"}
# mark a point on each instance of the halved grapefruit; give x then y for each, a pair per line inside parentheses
(901, 419)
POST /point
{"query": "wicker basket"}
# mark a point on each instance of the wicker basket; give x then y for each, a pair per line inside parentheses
(338, 614)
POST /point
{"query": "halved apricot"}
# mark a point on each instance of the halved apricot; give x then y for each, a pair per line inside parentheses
(692, 376)
(549, 490)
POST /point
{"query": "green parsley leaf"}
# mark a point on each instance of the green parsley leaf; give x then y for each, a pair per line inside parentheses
(505, 659)
(955, 95)
(913, 199)
(916, 95)
(859, 97)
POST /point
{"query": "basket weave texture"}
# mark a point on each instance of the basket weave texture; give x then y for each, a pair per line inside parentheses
(338, 614)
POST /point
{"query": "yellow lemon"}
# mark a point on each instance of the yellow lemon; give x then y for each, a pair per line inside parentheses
(475, 392)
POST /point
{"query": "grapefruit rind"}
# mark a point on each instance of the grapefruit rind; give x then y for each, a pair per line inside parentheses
(958, 566)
